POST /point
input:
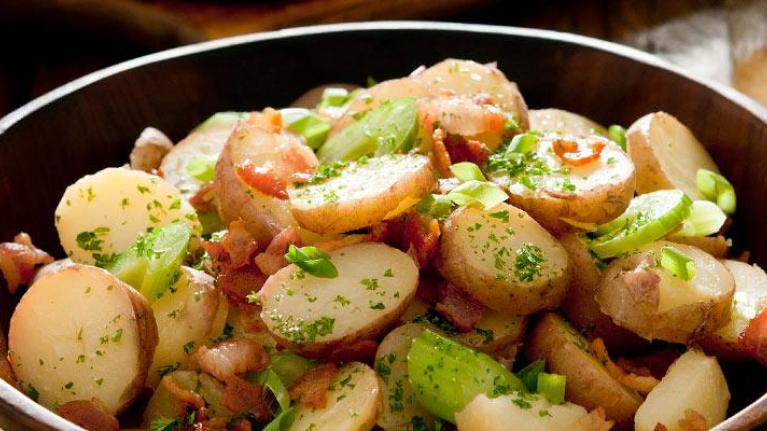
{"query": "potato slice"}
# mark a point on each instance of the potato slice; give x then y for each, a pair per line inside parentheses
(188, 316)
(640, 295)
(104, 213)
(504, 259)
(518, 412)
(363, 193)
(717, 246)
(560, 195)
(666, 154)
(693, 382)
(313, 315)
(353, 403)
(588, 382)
(273, 159)
(94, 337)
(749, 299)
(564, 122)
(400, 406)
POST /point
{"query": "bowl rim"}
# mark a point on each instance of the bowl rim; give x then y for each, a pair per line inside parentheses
(13, 402)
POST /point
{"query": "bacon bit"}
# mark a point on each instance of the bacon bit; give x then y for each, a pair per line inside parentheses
(238, 283)
(18, 260)
(270, 120)
(273, 258)
(441, 157)
(183, 396)
(654, 364)
(202, 201)
(226, 359)
(596, 420)
(429, 286)
(693, 421)
(459, 308)
(466, 150)
(239, 244)
(642, 384)
(242, 396)
(359, 350)
(754, 339)
(572, 153)
(251, 321)
(416, 234)
(91, 415)
(311, 389)
(263, 179)
(660, 427)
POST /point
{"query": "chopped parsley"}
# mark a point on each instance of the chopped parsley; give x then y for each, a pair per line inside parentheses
(436, 319)
(487, 334)
(528, 263)
(501, 215)
(188, 347)
(344, 301)
(167, 369)
(377, 306)
(32, 392)
(300, 332)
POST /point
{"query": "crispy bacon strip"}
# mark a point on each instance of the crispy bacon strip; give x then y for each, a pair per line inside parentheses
(273, 258)
(413, 233)
(239, 244)
(241, 396)
(238, 283)
(439, 153)
(91, 415)
(359, 350)
(459, 308)
(311, 389)
(572, 152)
(642, 384)
(18, 260)
(226, 359)
(466, 150)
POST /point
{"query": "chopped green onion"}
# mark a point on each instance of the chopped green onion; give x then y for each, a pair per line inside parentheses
(271, 380)
(481, 194)
(524, 143)
(333, 97)
(312, 260)
(282, 421)
(618, 135)
(467, 171)
(220, 119)
(437, 206)
(716, 188)
(202, 167)
(678, 263)
(288, 366)
(706, 218)
(529, 374)
(307, 124)
(552, 387)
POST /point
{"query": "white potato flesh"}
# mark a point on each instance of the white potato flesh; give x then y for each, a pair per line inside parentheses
(80, 334)
(374, 286)
(104, 213)
(363, 193)
(188, 316)
(666, 154)
(693, 382)
(560, 121)
(504, 259)
(503, 413)
(399, 403)
(353, 402)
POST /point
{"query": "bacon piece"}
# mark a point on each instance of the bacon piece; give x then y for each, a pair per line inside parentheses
(18, 260)
(459, 308)
(413, 233)
(239, 244)
(311, 389)
(359, 350)
(573, 151)
(241, 396)
(754, 339)
(202, 201)
(263, 179)
(238, 283)
(90, 415)
(273, 258)
(186, 397)
(251, 321)
(228, 358)
(430, 285)
(441, 157)
(270, 120)
(466, 150)
(642, 384)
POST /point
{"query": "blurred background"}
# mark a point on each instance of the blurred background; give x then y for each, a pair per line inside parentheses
(49, 42)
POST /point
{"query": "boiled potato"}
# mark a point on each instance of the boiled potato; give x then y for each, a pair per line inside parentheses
(717, 246)
(749, 299)
(588, 382)
(640, 295)
(82, 333)
(507, 413)
(562, 196)
(399, 403)
(353, 403)
(271, 160)
(104, 213)
(188, 315)
(504, 259)
(314, 315)
(52, 268)
(693, 382)
(149, 149)
(560, 121)
(363, 193)
(666, 154)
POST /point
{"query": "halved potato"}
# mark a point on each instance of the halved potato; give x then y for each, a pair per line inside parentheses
(52, 268)
(518, 412)
(666, 154)
(104, 213)
(79, 334)
(504, 259)
(270, 160)
(640, 295)
(188, 316)
(560, 195)
(363, 193)
(399, 403)
(694, 382)
(353, 403)
(311, 315)
(553, 120)
(749, 299)
(588, 382)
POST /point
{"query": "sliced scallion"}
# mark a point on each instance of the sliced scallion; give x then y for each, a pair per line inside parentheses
(552, 387)
(437, 206)
(524, 142)
(467, 171)
(618, 135)
(482, 194)
(706, 218)
(529, 374)
(678, 263)
(312, 260)
(202, 167)
(716, 188)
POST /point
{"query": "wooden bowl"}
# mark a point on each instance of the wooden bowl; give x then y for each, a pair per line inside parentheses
(92, 122)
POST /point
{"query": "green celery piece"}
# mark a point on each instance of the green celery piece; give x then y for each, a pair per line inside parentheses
(388, 128)
(130, 267)
(552, 387)
(271, 380)
(289, 367)
(219, 119)
(529, 374)
(446, 375)
(282, 421)
(706, 218)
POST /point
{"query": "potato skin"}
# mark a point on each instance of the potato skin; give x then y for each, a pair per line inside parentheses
(149, 336)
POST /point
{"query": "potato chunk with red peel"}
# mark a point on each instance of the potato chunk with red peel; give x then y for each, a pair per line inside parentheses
(94, 337)
(552, 120)
(255, 167)
(313, 316)
(642, 296)
(666, 154)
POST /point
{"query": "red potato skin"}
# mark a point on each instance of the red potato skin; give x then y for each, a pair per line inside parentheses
(754, 338)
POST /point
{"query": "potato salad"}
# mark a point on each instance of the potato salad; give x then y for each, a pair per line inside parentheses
(424, 253)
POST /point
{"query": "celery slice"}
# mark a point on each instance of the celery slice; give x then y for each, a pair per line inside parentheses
(219, 119)
(706, 218)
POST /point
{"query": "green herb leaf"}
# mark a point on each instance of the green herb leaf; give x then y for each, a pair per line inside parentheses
(618, 135)
(481, 194)
(467, 171)
(32, 392)
(678, 263)
(552, 387)
(706, 218)
(312, 260)
(716, 188)
(202, 167)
